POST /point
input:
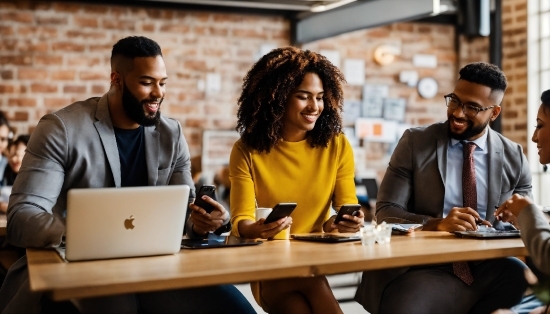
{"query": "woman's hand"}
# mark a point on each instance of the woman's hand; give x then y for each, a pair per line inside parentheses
(510, 210)
(350, 224)
(257, 229)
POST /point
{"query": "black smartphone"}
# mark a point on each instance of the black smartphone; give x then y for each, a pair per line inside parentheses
(280, 210)
(208, 190)
(347, 209)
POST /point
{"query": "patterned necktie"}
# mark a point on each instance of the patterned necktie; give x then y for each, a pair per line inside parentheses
(469, 199)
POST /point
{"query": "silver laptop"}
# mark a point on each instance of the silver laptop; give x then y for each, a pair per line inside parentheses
(125, 222)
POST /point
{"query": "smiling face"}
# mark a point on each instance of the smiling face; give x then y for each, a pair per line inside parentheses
(16, 153)
(143, 90)
(303, 108)
(541, 136)
(462, 127)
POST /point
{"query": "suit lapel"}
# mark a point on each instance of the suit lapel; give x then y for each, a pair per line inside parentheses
(104, 127)
(442, 143)
(152, 146)
(495, 147)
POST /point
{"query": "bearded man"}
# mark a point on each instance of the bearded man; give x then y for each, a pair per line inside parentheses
(449, 176)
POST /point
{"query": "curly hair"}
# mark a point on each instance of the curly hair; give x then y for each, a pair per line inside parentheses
(267, 87)
(485, 74)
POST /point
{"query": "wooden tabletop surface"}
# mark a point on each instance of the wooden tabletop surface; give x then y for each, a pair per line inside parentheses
(270, 260)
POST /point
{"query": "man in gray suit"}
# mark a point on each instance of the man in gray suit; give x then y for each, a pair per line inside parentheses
(423, 184)
(117, 140)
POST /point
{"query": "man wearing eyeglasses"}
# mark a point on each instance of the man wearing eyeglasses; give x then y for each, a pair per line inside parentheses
(449, 176)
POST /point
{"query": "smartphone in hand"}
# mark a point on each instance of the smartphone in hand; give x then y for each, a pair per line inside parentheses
(280, 210)
(208, 190)
(347, 209)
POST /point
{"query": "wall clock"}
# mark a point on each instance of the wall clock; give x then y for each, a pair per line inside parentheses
(427, 87)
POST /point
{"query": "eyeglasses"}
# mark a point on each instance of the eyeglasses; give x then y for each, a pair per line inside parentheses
(469, 110)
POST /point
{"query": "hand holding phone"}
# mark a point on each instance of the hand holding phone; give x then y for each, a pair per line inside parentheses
(280, 210)
(347, 209)
(210, 191)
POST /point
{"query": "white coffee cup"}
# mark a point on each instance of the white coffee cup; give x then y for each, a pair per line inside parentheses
(262, 212)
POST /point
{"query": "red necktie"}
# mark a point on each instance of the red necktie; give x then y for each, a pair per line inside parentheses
(469, 199)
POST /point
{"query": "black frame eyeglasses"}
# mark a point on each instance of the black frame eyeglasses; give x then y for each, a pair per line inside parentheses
(469, 110)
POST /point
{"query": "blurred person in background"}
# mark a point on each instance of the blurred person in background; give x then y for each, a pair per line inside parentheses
(15, 153)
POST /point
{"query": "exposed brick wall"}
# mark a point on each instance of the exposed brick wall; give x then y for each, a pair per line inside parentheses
(54, 53)
(413, 38)
(514, 64)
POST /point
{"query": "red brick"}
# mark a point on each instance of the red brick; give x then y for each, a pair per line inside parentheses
(15, 60)
(175, 28)
(404, 27)
(57, 102)
(16, 16)
(63, 75)
(96, 9)
(6, 74)
(22, 102)
(20, 116)
(68, 46)
(52, 20)
(249, 33)
(148, 27)
(38, 32)
(4, 89)
(195, 65)
(6, 30)
(82, 21)
(119, 24)
(195, 123)
(31, 74)
(48, 60)
(99, 89)
(66, 7)
(82, 60)
(104, 48)
(43, 88)
(89, 75)
(77, 89)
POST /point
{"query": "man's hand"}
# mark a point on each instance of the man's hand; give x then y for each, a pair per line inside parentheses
(204, 222)
(348, 224)
(253, 230)
(461, 219)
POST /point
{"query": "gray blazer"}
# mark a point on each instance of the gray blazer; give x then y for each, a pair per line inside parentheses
(413, 189)
(535, 233)
(75, 147)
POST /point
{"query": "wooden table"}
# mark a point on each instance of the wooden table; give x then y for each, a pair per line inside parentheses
(273, 259)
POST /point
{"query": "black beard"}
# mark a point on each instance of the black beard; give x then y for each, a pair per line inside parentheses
(470, 132)
(135, 111)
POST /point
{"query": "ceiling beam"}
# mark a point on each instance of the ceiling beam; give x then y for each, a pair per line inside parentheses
(360, 15)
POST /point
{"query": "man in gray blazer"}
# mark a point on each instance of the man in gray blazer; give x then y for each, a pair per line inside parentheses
(423, 184)
(117, 140)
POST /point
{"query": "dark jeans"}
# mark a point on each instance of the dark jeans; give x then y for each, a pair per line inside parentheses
(498, 283)
(213, 299)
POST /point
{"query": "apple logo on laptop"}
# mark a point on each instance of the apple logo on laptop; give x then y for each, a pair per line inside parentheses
(129, 223)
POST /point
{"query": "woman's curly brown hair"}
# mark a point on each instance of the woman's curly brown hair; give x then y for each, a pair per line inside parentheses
(267, 87)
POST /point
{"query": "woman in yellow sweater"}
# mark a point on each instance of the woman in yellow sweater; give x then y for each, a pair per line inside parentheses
(292, 150)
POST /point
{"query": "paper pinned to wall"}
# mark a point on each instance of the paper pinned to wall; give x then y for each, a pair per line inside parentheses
(332, 55)
(425, 61)
(376, 130)
(354, 70)
(213, 83)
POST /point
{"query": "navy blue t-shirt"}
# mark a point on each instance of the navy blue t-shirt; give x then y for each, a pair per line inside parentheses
(131, 150)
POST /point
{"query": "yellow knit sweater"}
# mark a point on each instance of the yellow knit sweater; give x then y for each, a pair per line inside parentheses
(314, 178)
